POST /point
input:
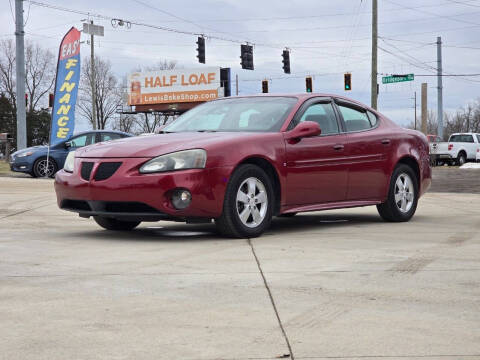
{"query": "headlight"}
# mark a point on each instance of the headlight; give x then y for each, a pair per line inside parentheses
(28, 153)
(181, 160)
(69, 162)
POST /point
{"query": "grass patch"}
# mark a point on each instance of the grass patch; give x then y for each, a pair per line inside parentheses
(5, 168)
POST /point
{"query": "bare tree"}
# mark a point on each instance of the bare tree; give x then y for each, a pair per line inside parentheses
(125, 123)
(7, 71)
(40, 73)
(107, 93)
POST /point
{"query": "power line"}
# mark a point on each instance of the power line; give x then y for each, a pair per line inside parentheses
(449, 17)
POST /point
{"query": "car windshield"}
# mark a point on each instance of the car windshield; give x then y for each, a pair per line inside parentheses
(260, 114)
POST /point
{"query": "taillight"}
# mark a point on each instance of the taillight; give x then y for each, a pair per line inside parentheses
(478, 150)
(450, 147)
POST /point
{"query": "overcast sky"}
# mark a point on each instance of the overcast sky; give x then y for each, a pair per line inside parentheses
(326, 38)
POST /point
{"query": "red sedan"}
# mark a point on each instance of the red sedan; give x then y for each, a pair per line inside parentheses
(242, 160)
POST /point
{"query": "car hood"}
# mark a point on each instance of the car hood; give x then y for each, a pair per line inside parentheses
(32, 149)
(156, 145)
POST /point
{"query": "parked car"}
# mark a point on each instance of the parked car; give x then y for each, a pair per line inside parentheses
(460, 148)
(33, 160)
(242, 160)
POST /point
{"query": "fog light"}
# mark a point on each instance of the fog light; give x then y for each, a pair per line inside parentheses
(181, 199)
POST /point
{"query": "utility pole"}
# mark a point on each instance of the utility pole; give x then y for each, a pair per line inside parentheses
(415, 105)
(424, 108)
(20, 65)
(94, 98)
(439, 89)
(374, 90)
(236, 83)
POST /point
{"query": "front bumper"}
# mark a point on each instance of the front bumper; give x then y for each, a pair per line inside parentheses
(20, 164)
(117, 195)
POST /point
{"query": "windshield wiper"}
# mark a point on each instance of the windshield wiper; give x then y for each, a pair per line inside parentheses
(206, 130)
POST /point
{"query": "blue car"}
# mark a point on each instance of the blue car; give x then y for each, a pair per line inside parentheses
(33, 160)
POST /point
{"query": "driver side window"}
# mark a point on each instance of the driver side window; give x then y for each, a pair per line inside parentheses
(82, 140)
(324, 115)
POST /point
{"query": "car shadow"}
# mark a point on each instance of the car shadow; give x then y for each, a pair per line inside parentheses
(172, 232)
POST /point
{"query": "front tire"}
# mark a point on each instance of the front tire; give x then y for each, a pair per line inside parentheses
(43, 169)
(248, 203)
(115, 224)
(402, 197)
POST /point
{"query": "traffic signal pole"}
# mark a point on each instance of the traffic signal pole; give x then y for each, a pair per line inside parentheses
(374, 94)
(20, 65)
(439, 89)
(94, 99)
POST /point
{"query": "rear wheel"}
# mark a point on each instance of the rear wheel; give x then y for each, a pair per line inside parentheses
(247, 208)
(402, 197)
(461, 159)
(115, 224)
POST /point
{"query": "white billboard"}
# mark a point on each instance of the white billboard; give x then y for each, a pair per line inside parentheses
(174, 86)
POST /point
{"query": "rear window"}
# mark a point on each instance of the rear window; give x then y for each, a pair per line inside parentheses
(478, 138)
(461, 138)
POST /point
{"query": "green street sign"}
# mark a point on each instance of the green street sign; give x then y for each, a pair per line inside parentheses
(397, 78)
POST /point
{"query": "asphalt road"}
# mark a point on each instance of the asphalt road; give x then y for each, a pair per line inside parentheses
(327, 285)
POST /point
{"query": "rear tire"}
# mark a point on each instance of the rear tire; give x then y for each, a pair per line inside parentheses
(248, 204)
(461, 159)
(402, 197)
(115, 224)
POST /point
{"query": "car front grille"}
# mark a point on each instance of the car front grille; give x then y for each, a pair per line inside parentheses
(86, 170)
(105, 170)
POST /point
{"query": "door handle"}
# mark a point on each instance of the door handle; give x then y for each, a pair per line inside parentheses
(338, 147)
(386, 141)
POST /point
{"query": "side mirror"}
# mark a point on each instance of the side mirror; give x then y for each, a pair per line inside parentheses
(303, 130)
(68, 145)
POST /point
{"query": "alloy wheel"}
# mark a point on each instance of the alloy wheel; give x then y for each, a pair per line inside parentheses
(45, 168)
(404, 193)
(252, 202)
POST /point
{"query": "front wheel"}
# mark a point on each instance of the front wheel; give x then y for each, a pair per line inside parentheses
(44, 168)
(115, 224)
(248, 203)
(402, 197)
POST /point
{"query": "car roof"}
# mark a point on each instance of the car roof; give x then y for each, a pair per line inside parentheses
(303, 97)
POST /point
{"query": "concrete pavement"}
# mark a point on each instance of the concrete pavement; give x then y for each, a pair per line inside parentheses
(337, 284)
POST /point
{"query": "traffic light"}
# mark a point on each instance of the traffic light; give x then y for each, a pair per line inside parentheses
(265, 86)
(308, 84)
(201, 49)
(246, 56)
(50, 100)
(26, 99)
(286, 61)
(348, 81)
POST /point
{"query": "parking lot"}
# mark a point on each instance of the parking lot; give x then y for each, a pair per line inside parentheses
(326, 285)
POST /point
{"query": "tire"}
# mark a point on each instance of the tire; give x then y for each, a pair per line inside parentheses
(287, 215)
(252, 223)
(403, 209)
(461, 159)
(115, 224)
(40, 165)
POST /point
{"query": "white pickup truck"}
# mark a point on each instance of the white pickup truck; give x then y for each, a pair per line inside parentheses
(460, 148)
